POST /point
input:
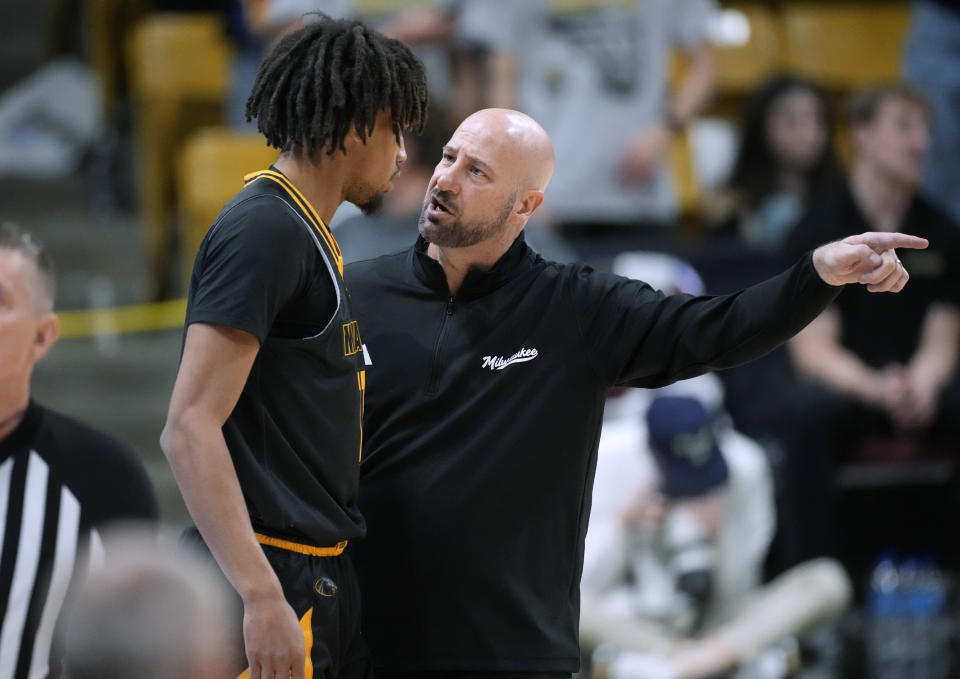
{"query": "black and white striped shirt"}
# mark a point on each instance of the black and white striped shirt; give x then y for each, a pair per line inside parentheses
(60, 482)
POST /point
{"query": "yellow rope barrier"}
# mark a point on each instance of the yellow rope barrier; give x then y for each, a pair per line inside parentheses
(120, 320)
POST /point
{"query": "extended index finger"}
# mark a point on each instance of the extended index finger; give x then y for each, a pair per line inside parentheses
(880, 241)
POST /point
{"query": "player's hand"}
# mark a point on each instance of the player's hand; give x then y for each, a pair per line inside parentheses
(273, 639)
(642, 155)
(868, 258)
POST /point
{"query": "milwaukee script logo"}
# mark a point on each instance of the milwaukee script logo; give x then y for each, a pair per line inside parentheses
(499, 362)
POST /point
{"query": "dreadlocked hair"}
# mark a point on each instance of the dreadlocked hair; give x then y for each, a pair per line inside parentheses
(330, 77)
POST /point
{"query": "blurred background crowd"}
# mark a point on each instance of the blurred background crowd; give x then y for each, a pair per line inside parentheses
(801, 510)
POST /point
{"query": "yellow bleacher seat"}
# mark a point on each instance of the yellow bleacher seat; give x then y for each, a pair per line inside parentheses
(211, 167)
(846, 45)
(683, 174)
(179, 72)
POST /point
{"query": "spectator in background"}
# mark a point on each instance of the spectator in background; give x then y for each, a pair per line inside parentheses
(60, 481)
(874, 367)
(253, 26)
(785, 158)
(599, 67)
(932, 64)
(427, 26)
(150, 612)
(681, 522)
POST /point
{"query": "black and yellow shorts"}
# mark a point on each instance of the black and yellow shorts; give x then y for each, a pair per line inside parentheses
(321, 586)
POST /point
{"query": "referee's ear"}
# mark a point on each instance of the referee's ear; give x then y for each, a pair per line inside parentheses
(47, 332)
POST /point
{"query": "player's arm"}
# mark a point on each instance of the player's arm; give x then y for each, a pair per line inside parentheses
(213, 370)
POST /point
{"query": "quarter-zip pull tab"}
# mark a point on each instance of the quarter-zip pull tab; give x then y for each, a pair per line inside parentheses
(450, 307)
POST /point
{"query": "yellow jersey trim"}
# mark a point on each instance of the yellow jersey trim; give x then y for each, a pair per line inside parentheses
(307, 209)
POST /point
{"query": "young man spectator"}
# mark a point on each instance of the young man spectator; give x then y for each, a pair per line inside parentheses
(485, 403)
(264, 429)
(873, 366)
(61, 482)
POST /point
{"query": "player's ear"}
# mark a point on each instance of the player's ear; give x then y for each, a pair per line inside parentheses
(353, 139)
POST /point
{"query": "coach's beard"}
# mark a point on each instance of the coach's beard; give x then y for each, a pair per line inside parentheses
(456, 233)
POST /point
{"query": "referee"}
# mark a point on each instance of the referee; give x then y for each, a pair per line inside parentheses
(486, 399)
(61, 482)
(264, 427)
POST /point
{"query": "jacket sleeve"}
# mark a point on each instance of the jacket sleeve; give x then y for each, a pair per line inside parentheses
(639, 337)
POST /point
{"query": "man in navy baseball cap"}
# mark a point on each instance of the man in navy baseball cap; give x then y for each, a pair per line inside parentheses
(681, 435)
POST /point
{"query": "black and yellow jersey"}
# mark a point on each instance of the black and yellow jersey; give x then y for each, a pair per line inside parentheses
(270, 266)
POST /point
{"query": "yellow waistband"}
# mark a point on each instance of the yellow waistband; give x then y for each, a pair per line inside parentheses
(336, 550)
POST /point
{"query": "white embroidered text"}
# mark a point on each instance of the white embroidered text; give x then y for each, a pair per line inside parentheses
(499, 362)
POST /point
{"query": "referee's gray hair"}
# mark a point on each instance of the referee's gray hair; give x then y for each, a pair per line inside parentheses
(12, 237)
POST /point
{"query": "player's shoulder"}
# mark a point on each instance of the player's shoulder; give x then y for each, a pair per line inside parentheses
(258, 222)
(261, 209)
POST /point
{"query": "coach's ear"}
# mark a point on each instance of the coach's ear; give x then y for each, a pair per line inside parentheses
(528, 203)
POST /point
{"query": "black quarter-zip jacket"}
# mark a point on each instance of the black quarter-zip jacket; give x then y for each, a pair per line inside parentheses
(481, 425)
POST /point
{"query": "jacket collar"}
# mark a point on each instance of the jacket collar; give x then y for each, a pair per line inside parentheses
(478, 282)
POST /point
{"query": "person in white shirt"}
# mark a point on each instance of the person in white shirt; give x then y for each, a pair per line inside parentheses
(682, 518)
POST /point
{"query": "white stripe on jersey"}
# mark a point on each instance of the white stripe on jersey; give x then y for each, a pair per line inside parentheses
(6, 471)
(25, 570)
(68, 529)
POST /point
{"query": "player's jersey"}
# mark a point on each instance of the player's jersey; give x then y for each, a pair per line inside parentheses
(269, 266)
